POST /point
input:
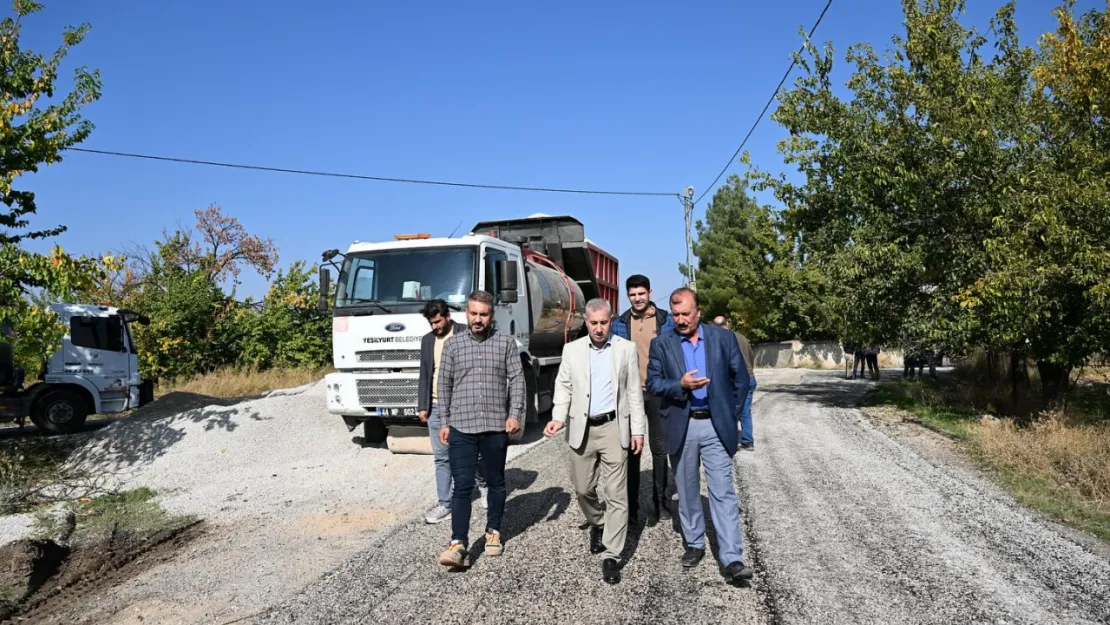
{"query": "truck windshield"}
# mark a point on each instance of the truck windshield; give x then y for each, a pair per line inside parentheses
(406, 276)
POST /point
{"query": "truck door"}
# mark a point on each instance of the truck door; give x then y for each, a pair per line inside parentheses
(510, 318)
(97, 352)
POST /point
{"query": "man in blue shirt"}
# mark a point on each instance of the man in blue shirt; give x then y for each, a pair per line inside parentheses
(701, 377)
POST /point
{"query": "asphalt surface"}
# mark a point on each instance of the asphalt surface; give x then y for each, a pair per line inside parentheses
(843, 525)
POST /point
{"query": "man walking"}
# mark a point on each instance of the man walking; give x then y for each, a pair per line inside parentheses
(431, 351)
(747, 434)
(700, 374)
(481, 397)
(598, 391)
(641, 323)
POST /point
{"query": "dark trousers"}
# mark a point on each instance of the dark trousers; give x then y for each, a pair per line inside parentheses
(465, 451)
(657, 444)
(860, 360)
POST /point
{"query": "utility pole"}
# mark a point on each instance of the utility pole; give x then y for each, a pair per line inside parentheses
(688, 208)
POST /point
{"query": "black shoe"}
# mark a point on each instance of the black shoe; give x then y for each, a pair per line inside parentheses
(610, 571)
(633, 520)
(747, 446)
(662, 509)
(738, 571)
(596, 546)
(692, 557)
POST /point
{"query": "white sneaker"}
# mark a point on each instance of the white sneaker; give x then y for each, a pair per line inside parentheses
(437, 514)
(482, 496)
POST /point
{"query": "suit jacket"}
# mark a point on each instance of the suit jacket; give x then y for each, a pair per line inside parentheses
(728, 384)
(427, 364)
(572, 390)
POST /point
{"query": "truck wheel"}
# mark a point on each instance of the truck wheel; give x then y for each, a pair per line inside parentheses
(60, 412)
(374, 431)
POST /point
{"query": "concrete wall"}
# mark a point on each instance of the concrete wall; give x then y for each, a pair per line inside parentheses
(813, 355)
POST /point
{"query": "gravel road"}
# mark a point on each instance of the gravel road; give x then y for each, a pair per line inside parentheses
(844, 525)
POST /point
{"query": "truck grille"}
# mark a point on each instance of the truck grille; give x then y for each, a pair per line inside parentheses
(389, 355)
(379, 393)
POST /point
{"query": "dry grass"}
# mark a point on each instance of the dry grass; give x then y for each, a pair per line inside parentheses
(243, 382)
(1070, 456)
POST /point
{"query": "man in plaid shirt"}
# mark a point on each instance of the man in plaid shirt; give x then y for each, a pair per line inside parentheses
(481, 399)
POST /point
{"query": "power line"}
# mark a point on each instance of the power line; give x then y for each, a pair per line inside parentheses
(768, 105)
(309, 172)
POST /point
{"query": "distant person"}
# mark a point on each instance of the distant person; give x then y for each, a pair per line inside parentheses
(700, 374)
(859, 358)
(431, 351)
(747, 433)
(481, 400)
(598, 391)
(641, 323)
(873, 360)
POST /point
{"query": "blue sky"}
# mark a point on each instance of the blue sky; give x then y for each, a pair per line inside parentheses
(646, 96)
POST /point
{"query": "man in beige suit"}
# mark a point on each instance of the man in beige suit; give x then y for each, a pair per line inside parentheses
(598, 390)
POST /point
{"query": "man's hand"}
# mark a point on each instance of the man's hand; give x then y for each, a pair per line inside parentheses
(423, 414)
(512, 426)
(553, 427)
(444, 434)
(691, 383)
(637, 444)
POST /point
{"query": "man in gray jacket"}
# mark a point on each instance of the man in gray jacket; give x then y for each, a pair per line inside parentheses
(431, 349)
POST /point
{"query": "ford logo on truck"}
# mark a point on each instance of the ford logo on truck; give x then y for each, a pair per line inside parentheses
(395, 327)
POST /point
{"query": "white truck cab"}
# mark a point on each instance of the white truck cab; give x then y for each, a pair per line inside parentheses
(95, 371)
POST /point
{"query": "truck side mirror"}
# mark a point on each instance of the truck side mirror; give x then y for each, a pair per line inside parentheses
(325, 289)
(506, 271)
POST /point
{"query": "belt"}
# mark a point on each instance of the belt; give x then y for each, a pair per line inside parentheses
(699, 414)
(602, 418)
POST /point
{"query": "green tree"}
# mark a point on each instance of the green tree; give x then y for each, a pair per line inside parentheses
(956, 202)
(32, 135)
(747, 270)
(288, 330)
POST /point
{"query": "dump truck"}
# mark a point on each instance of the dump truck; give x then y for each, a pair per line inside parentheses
(541, 271)
(95, 371)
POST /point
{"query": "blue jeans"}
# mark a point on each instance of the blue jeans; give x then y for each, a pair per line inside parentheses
(702, 446)
(443, 463)
(746, 437)
(466, 451)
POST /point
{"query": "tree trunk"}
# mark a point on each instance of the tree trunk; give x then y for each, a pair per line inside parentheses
(1054, 384)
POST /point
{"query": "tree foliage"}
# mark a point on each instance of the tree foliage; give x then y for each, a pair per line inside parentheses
(748, 271)
(957, 197)
(33, 134)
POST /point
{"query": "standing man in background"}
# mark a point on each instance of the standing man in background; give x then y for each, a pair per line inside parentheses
(598, 391)
(747, 434)
(640, 324)
(481, 397)
(431, 351)
(700, 374)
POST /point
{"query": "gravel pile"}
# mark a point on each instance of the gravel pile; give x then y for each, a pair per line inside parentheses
(14, 527)
(285, 494)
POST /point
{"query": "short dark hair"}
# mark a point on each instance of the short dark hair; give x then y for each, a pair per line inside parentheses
(482, 297)
(685, 290)
(435, 308)
(637, 280)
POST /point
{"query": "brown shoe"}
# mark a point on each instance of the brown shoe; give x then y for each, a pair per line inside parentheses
(493, 543)
(455, 556)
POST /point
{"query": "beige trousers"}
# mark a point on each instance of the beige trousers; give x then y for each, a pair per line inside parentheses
(601, 456)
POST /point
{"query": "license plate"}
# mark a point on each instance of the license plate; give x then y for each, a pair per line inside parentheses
(395, 412)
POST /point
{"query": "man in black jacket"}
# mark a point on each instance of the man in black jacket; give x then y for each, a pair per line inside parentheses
(431, 347)
(641, 323)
